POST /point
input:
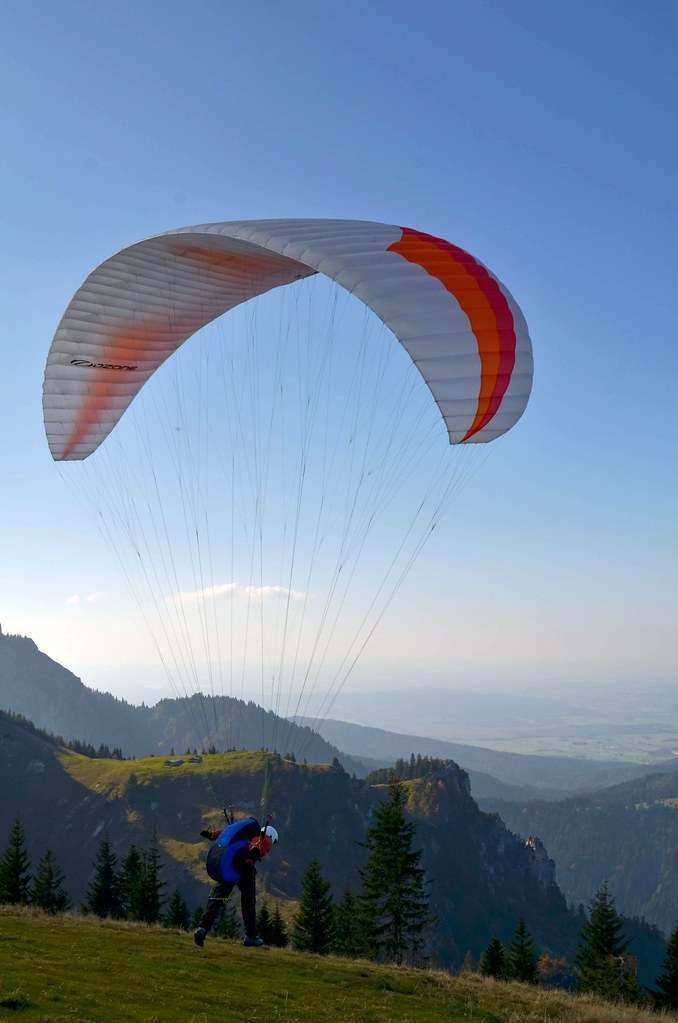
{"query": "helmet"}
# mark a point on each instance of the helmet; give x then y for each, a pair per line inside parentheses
(271, 833)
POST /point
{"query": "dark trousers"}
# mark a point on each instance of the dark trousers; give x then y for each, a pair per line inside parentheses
(248, 903)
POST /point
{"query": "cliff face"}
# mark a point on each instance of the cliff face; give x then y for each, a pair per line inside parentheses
(485, 877)
(626, 835)
(544, 868)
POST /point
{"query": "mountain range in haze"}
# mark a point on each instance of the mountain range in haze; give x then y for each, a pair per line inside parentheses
(543, 777)
(53, 698)
(47, 693)
(609, 721)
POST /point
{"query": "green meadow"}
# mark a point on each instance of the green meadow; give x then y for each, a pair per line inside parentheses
(79, 970)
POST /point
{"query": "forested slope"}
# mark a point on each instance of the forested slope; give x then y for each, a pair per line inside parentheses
(627, 835)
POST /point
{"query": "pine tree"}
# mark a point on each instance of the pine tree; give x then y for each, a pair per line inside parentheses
(603, 965)
(313, 924)
(15, 868)
(349, 927)
(493, 960)
(151, 885)
(131, 880)
(103, 894)
(228, 926)
(48, 890)
(279, 936)
(177, 914)
(667, 981)
(521, 956)
(394, 898)
(264, 924)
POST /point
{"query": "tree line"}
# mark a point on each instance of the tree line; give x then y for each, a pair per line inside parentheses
(127, 889)
(603, 963)
(388, 919)
(417, 766)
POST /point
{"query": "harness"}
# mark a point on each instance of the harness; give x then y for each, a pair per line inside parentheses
(233, 840)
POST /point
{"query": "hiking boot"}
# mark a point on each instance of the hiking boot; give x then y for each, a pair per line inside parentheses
(199, 935)
(253, 942)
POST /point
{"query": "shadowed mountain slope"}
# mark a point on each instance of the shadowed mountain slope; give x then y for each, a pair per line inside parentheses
(627, 835)
(52, 697)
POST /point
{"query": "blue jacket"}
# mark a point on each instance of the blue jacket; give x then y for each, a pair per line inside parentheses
(230, 854)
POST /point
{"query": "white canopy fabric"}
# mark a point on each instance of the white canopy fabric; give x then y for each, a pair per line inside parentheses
(460, 325)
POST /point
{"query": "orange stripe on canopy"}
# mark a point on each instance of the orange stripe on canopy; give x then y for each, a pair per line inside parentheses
(120, 351)
(484, 303)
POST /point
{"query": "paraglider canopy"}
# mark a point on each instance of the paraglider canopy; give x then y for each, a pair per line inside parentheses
(268, 495)
(460, 325)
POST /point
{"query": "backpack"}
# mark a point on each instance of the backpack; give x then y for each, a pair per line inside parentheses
(232, 840)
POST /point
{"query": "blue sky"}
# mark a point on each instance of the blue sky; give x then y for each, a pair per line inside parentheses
(542, 138)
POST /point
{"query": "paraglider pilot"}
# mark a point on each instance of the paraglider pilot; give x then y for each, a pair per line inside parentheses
(231, 861)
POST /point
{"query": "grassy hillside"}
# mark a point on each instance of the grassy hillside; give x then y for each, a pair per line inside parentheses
(113, 776)
(62, 970)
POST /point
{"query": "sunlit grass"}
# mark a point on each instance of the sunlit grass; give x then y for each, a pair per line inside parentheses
(68, 969)
(111, 777)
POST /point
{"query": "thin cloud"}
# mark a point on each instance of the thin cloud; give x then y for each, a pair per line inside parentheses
(88, 598)
(236, 592)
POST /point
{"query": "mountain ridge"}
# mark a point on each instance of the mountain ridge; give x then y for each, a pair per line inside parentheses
(55, 699)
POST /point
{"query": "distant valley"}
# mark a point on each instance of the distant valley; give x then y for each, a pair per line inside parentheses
(543, 777)
(624, 721)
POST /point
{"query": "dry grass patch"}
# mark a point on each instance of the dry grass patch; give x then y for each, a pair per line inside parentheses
(529, 1004)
